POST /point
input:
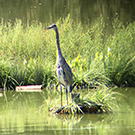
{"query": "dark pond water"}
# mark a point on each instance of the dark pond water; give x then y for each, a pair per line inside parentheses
(49, 11)
(21, 115)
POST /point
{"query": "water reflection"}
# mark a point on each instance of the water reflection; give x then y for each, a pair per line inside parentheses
(48, 11)
(21, 115)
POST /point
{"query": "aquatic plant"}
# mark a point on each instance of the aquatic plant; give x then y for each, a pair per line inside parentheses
(100, 100)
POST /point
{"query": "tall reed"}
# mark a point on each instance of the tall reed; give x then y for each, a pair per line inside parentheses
(28, 54)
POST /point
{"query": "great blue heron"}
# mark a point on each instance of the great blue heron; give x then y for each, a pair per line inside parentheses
(62, 69)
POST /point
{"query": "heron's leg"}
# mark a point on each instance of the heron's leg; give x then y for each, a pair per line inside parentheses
(67, 95)
(71, 96)
(70, 91)
(61, 94)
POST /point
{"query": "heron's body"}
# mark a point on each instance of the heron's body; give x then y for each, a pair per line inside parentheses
(62, 69)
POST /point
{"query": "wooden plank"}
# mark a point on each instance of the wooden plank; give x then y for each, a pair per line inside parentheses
(29, 88)
(1, 94)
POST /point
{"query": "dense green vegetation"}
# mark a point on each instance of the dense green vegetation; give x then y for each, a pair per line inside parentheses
(28, 54)
(106, 97)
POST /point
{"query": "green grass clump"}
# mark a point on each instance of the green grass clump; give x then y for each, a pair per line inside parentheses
(28, 54)
(100, 100)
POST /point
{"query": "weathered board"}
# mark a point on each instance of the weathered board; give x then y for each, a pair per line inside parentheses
(29, 88)
(1, 94)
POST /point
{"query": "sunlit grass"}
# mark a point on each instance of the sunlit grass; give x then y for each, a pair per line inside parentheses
(28, 54)
(101, 96)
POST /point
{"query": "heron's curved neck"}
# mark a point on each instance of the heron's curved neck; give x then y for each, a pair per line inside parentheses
(57, 44)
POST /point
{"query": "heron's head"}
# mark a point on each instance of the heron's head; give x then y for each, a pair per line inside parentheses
(52, 26)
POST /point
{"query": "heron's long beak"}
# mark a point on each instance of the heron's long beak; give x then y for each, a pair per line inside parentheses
(46, 28)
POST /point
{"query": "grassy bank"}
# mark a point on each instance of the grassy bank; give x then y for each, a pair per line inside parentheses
(93, 101)
(28, 55)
